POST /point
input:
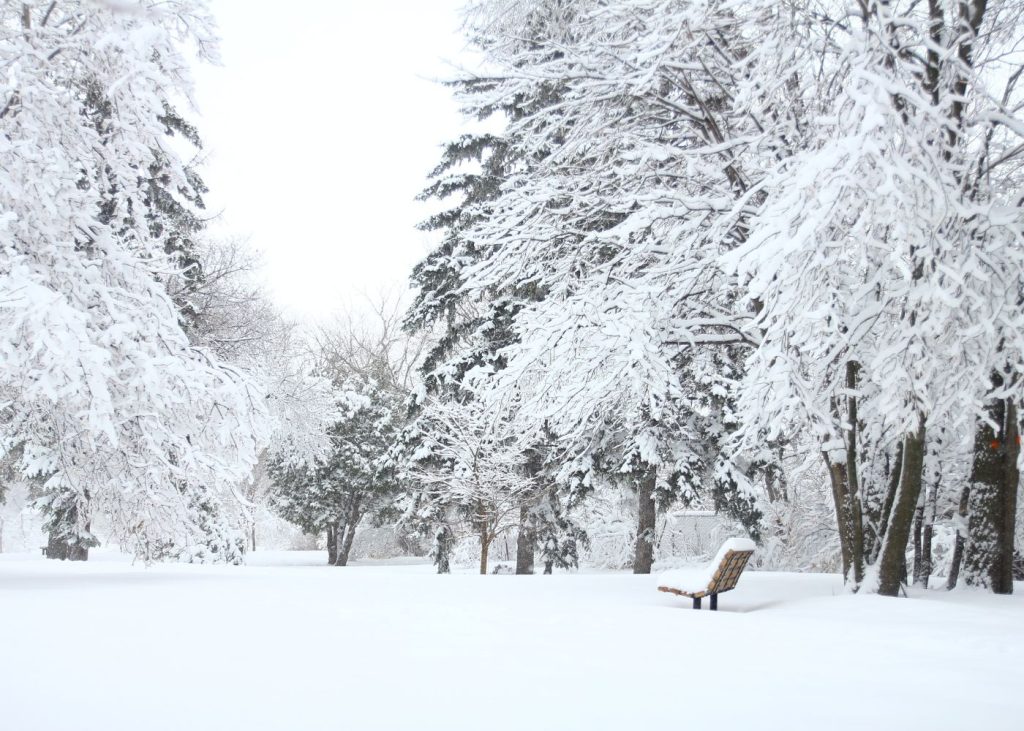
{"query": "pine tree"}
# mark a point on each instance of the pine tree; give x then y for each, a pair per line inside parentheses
(334, 492)
(471, 331)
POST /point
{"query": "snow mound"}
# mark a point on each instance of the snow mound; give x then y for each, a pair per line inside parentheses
(698, 578)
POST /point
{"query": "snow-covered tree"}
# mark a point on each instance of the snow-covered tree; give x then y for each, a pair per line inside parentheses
(468, 468)
(231, 315)
(101, 393)
(334, 492)
(621, 170)
(469, 328)
(370, 363)
(758, 226)
(882, 242)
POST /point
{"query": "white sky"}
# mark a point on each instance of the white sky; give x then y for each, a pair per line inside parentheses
(320, 129)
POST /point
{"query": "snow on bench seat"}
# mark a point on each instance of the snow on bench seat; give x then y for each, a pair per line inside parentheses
(719, 576)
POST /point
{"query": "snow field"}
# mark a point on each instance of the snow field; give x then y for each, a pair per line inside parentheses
(391, 646)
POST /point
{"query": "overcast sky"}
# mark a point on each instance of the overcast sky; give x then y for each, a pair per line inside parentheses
(320, 128)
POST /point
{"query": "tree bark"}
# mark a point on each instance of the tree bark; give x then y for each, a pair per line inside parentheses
(874, 547)
(843, 473)
(345, 543)
(920, 577)
(988, 554)
(348, 533)
(850, 539)
(837, 478)
(960, 540)
(442, 549)
(62, 550)
(56, 548)
(332, 544)
(926, 554)
(930, 509)
(1011, 486)
(525, 542)
(643, 557)
(856, 515)
(79, 551)
(893, 560)
(485, 547)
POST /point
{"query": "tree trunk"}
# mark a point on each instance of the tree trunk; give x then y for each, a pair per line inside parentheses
(525, 542)
(881, 520)
(643, 557)
(64, 542)
(843, 473)
(485, 547)
(960, 541)
(893, 560)
(252, 536)
(850, 539)
(1011, 485)
(332, 544)
(926, 554)
(856, 514)
(79, 550)
(56, 548)
(345, 542)
(837, 478)
(988, 555)
(931, 507)
(348, 533)
(920, 577)
(443, 541)
(62, 550)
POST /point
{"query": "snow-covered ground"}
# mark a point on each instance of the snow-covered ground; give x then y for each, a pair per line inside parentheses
(290, 645)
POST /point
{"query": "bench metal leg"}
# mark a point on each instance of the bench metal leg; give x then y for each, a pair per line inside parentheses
(696, 602)
(714, 602)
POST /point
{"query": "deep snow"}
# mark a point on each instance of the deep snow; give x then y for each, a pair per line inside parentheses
(290, 645)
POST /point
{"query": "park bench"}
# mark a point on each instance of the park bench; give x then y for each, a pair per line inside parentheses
(719, 576)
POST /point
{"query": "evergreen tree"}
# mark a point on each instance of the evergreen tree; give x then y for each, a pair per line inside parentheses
(334, 492)
(469, 331)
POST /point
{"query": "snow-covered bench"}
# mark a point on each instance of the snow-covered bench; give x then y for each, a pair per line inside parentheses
(718, 576)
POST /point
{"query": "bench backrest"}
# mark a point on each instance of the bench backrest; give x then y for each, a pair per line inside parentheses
(728, 571)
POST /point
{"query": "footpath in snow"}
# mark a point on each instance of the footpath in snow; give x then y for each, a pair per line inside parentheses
(286, 644)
